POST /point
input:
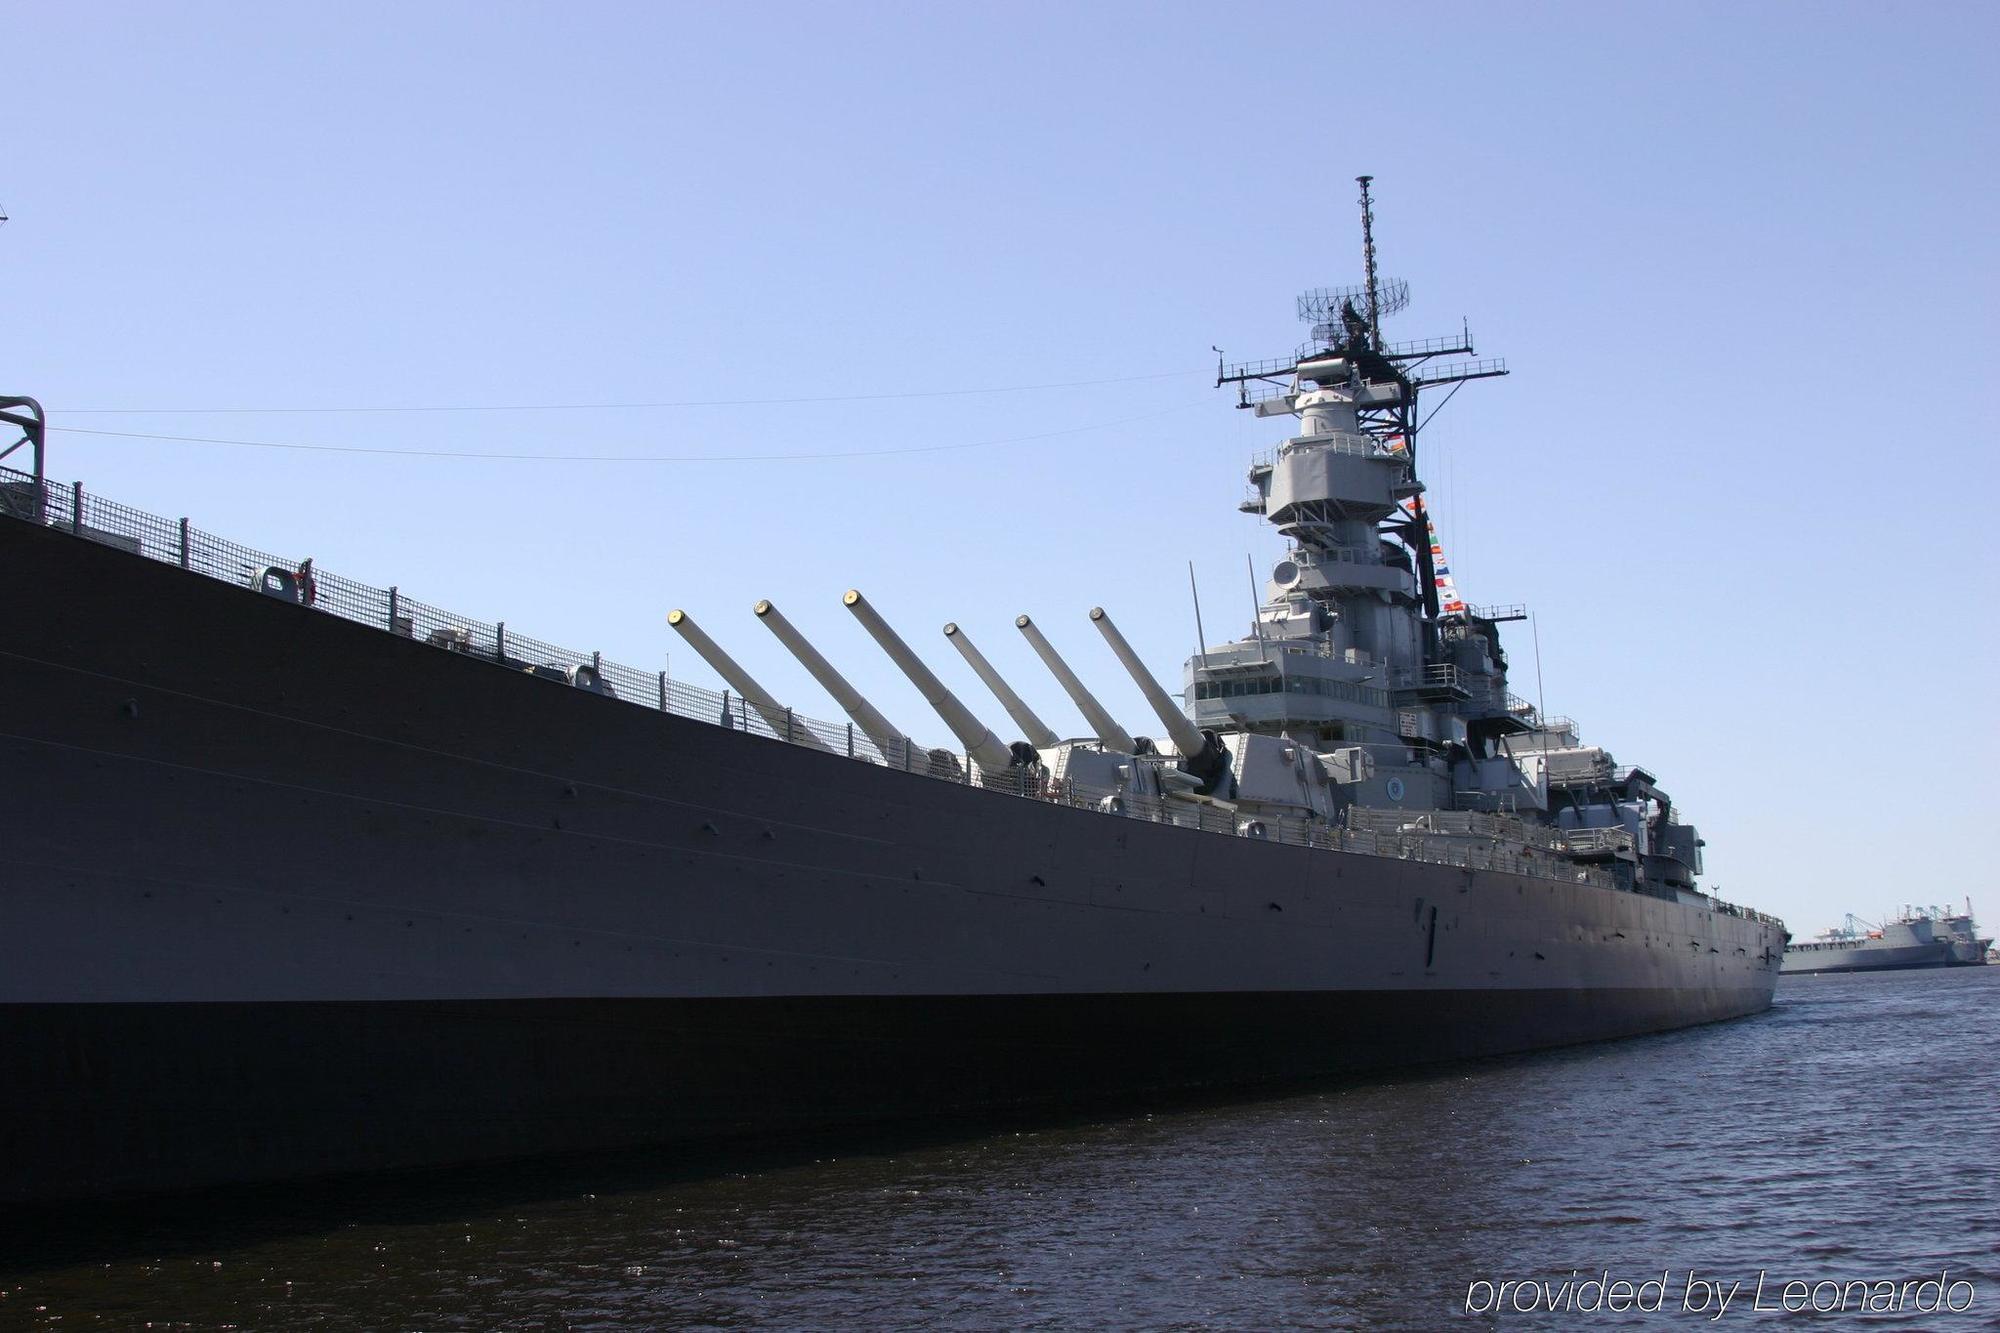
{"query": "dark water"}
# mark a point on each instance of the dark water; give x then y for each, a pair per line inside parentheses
(1849, 1135)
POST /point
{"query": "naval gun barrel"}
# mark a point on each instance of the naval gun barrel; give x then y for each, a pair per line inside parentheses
(987, 750)
(1109, 734)
(776, 715)
(893, 744)
(1187, 740)
(1037, 731)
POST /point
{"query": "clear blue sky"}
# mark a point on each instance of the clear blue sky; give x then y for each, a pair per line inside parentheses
(1740, 258)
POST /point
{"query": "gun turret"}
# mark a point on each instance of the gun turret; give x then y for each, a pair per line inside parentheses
(1109, 734)
(987, 750)
(894, 745)
(1037, 731)
(1202, 753)
(776, 715)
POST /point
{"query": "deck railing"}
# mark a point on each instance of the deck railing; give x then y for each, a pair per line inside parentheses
(178, 542)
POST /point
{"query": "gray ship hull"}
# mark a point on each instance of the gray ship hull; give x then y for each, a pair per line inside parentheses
(1868, 956)
(288, 896)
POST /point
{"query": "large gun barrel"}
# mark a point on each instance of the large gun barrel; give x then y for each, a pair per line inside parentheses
(987, 750)
(1037, 731)
(1109, 733)
(894, 745)
(1186, 738)
(776, 715)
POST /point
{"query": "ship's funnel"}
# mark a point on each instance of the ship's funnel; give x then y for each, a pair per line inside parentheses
(1186, 738)
(1109, 734)
(987, 750)
(1037, 731)
(776, 715)
(893, 744)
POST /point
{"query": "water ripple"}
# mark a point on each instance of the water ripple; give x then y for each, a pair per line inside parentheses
(1847, 1135)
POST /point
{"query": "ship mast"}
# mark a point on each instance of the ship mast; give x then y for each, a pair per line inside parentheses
(1368, 263)
(1396, 373)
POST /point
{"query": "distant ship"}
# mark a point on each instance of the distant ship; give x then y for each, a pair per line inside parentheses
(1919, 938)
(306, 876)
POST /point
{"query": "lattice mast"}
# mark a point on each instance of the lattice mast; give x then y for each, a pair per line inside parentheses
(1368, 263)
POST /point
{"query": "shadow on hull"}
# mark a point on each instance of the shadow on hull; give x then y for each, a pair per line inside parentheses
(127, 1098)
(537, 1165)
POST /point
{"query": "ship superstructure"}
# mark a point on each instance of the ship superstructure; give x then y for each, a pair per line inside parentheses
(1968, 947)
(1364, 659)
(307, 876)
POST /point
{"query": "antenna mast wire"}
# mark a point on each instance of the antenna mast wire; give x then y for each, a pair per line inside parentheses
(1368, 256)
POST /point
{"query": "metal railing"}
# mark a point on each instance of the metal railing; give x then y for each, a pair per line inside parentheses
(1360, 445)
(1587, 840)
(1511, 611)
(1446, 372)
(1480, 845)
(1430, 676)
(1263, 391)
(1271, 366)
(1427, 347)
(1456, 824)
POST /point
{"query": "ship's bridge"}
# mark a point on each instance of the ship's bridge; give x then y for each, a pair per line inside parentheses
(1337, 473)
(1273, 686)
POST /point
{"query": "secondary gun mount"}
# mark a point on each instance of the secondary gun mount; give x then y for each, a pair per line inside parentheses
(778, 717)
(988, 751)
(1203, 756)
(1037, 731)
(894, 745)
(1109, 734)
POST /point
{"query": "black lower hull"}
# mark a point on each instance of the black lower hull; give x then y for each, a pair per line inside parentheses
(119, 1098)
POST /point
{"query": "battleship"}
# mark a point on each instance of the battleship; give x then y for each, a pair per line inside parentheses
(308, 877)
(1919, 938)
